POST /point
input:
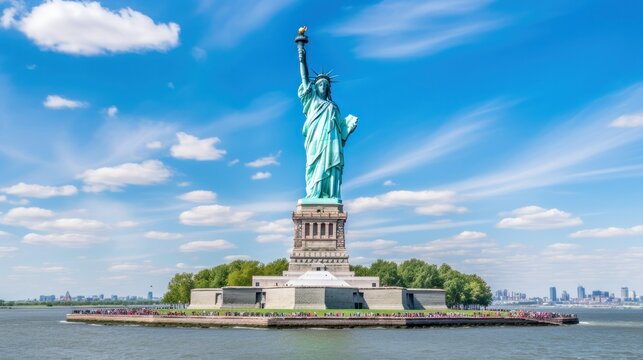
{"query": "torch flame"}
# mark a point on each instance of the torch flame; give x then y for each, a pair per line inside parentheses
(302, 30)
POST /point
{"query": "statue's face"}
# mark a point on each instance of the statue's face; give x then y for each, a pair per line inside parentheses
(322, 88)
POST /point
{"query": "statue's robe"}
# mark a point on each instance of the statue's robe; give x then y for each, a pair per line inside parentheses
(325, 132)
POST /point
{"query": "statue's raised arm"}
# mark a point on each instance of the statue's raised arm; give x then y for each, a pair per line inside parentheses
(301, 40)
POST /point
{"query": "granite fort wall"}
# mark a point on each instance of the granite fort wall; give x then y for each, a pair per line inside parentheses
(206, 298)
(309, 298)
(383, 298)
(427, 299)
(341, 298)
(240, 297)
(280, 298)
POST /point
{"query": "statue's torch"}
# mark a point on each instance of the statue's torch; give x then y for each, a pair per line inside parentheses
(301, 39)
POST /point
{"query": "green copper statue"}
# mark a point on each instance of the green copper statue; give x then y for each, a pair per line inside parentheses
(325, 131)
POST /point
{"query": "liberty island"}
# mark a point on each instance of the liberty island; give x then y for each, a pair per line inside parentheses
(319, 277)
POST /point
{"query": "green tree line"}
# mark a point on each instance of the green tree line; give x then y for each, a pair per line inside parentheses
(462, 290)
(235, 273)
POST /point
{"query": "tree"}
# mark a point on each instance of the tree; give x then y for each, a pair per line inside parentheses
(243, 276)
(202, 278)
(276, 267)
(219, 276)
(360, 270)
(387, 272)
(416, 273)
(178, 290)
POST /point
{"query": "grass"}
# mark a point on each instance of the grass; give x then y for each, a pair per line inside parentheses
(344, 312)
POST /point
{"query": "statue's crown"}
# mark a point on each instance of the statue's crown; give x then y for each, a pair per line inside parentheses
(324, 75)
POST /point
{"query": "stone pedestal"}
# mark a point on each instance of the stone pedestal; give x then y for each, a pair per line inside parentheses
(319, 242)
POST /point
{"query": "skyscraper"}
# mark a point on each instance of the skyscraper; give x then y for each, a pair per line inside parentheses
(580, 292)
(625, 293)
(552, 294)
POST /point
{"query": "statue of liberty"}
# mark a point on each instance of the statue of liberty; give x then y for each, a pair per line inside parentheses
(325, 133)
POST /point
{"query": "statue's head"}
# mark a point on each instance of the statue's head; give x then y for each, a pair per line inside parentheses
(322, 85)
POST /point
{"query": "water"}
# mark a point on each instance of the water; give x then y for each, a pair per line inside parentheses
(43, 334)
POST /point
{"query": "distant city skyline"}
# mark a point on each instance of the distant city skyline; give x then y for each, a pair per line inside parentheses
(139, 139)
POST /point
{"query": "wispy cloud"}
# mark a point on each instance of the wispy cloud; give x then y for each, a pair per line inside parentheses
(234, 21)
(261, 110)
(570, 152)
(460, 132)
(608, 232)
(398, 29)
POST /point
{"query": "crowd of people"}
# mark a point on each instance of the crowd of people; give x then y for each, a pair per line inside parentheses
(517, 314)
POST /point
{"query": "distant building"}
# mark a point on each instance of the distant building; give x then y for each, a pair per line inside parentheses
(625, 293)
(67, 297)
(580, 292)
(150, 296)
(114, 297)
(552, 294)
(47, 298)
(564, 296)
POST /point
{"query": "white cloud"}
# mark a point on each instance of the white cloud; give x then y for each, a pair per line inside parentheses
(213, 215)
(389, 183)
(39, 269)
(114, 178)
(374, 245)
(428, 202)
(112, 111)
(233, 162)
(264, 161)
(236, 257)
(126, 267)
(608, 232)
(440, 209)
(371, 231)
(39, 191)
(395, 29)
(154, 145)
(26, 216)
(59, 102)
(62, 240)
(8, 18)
(537, 218)
(461, 244)
(268, 238)
(281, 226)
(7, 250)
(87, 28)
(193, 148)
(70, 224)
(184, 184)
(560, 247)
(4, 234)
(261, 175)
(159, 235)
(199, 54)
(3, 198)
(211, 245)
(628, 121)
(198, 196)
(126, 224)
(180, 266)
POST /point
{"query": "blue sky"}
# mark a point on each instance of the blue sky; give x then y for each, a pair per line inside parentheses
(138, 140)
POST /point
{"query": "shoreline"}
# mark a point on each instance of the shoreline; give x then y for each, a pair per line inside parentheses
(310, 322)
